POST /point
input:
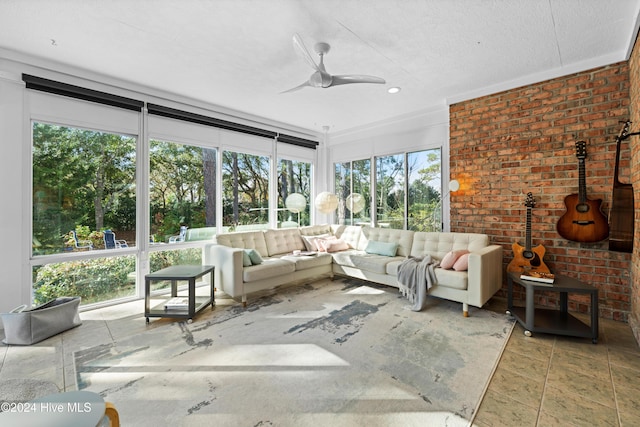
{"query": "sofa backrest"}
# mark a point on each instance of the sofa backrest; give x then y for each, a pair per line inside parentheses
(315, 230)
(348, 233)
(283, 240)
(244, 240)
(437, 244)
(403, 238)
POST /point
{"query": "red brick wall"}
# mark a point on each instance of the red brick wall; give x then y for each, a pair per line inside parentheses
(634, 78)
(523, 140)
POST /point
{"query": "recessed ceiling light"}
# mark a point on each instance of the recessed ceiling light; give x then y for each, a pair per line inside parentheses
(393, 90)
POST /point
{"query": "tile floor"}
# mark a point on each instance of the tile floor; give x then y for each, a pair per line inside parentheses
(541, 380)
(547, 380)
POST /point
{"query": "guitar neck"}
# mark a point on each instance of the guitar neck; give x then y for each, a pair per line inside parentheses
(528, 230)
(616, 181)
(582, 185)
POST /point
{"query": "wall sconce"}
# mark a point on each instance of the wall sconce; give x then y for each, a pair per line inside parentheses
(454, 185)
(326, 202)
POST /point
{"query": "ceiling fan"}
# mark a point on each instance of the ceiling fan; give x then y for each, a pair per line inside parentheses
(320, 78)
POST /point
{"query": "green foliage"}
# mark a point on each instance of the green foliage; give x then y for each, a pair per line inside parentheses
(92, 279)
(101, 279)
(79, 177)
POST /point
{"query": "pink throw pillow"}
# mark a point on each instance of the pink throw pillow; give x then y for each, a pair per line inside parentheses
(450, 258)
(462, 264)
(335, 245)
(320, 242)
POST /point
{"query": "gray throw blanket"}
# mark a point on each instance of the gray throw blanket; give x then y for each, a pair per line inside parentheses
(415, 278)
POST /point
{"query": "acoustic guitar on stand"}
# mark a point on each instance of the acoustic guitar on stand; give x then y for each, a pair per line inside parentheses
(583, 221)
(527, 259)
(621, 227)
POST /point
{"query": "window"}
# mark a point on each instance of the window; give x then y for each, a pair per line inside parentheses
(83, 181)
(390, 191)
(354, 191)
(182, 192)
(424, 200)
(245, 198)
(83, 185)
(294, 193)
(93, 232)
(416, 174)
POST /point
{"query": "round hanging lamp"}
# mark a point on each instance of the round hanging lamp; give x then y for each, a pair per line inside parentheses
(326, 202)
(355, 202)
(295, 202)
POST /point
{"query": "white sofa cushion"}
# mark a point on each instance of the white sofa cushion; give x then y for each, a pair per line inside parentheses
(244, 240)
(315, 230)
(305, 262)
(364, 261)
(452, 279)
(349, 233)
(283, 241)
(439, 244)
(403, 238)
(271, 267)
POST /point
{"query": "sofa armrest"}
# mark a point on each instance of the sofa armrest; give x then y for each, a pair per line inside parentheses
(485, 274)
(228, 272)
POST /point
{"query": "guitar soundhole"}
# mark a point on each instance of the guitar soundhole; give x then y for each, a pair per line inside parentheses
(534, 259)
(582, 207)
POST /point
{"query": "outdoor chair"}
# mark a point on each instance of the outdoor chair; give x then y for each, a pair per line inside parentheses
(110, 241)
(180, 237)
(81, 244)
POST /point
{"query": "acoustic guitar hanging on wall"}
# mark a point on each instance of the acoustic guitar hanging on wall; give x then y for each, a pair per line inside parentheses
(526, 258)
(621, 212)
(583, 221)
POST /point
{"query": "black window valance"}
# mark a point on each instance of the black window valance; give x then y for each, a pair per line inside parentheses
(78, 92)
(173, 113)
(302, 142)
(228, 125)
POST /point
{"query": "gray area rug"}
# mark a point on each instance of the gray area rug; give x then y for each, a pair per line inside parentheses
(340, 353)
(25, 389)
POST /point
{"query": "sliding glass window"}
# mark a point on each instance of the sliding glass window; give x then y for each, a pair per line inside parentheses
(390, 191)
(294, 193)
(245, 184)
(353, 187)
(182, 192)
(84, 200)
(424, 190)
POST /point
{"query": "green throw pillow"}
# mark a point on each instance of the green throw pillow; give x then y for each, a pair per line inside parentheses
(381, 248)
(246, 260)
(255, 257)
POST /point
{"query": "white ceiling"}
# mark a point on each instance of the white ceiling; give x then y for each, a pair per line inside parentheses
(238, 54)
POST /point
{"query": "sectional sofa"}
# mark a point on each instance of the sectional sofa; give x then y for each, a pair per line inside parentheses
(251, 261)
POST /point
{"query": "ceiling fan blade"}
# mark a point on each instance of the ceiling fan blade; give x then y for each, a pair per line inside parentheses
(293, 89)
(299, 46)
(355, 78)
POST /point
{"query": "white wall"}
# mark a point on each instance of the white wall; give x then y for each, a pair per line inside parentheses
(15, 280)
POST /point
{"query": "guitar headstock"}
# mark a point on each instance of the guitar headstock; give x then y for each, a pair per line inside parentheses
(530, 202)
(581, 150)
(624, 131)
